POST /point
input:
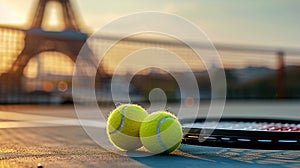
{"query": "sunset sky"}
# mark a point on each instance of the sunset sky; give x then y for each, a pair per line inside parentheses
(258, 22)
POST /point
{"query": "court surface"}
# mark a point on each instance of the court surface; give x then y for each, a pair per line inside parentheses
(52, 136)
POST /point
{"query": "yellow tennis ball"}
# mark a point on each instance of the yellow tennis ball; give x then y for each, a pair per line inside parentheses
(123, 126)
(161, 132)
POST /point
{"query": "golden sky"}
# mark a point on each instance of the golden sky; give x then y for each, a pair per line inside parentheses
(259, 22)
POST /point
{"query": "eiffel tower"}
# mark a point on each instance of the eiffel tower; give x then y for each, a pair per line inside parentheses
(37, 40)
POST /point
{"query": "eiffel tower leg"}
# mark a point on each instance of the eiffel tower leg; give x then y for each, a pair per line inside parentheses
(39, 14)
(12, 89)
(69, 16)
(15, 75)
(88, 60)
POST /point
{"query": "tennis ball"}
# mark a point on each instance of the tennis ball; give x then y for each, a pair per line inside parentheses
(161, 132)
(123, 126)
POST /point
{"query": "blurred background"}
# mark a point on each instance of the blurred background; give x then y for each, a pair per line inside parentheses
(258, 42)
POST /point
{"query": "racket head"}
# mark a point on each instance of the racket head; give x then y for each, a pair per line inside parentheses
(249, 133)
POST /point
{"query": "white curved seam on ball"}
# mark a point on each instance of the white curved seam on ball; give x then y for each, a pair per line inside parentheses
(158, 132)
(122, 121)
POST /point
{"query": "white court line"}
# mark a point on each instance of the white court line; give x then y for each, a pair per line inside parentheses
(29, 120)
(24, 117)
(22, 124)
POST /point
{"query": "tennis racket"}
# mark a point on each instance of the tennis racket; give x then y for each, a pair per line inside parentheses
(249, 133)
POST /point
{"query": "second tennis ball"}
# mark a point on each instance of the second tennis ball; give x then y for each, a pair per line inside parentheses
(161, 132)
(123, 126)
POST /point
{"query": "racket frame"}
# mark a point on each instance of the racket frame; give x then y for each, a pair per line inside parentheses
(247, 139)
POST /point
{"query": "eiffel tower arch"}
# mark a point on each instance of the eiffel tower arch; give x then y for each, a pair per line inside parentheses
(37, 40)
